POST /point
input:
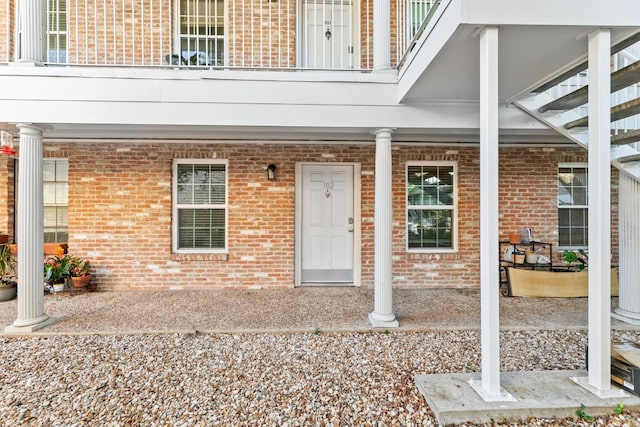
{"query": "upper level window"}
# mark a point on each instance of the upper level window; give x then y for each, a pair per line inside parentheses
(431, 206)
(55, 174)
(573, 206)
(199, 206)
(201, 30)
(57, 31)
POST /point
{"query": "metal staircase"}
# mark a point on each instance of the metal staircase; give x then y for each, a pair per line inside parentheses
(561, 104)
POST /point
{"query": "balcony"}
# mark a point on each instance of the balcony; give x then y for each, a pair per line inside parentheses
(220, 34)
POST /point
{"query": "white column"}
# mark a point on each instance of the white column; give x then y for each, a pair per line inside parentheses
(629, 250)
(489, 386)
(30, 234)
(32, 31)
(381, 35)
(599, 375)
(383, 316)
(600, 209)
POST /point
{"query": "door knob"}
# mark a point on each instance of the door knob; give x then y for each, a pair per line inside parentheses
(327, 34)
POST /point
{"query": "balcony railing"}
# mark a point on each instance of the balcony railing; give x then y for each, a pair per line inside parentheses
(222, 34)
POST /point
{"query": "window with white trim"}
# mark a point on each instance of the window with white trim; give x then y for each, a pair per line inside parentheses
(431, 206)
(573, 206)
(57, 31)
(201, 32)
(55, 192)
(199, 206)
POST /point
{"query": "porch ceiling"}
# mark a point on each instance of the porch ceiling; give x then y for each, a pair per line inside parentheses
(536, 43)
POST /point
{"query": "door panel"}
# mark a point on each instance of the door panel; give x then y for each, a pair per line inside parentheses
(327, 224)
(328, 38)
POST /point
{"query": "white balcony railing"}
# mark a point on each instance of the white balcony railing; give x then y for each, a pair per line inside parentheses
(229, 34)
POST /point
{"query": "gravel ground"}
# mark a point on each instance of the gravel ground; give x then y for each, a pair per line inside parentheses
(337, 379)
(87, 373)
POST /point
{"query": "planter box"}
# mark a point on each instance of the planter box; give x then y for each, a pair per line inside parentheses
(49, 249)
(561, 284)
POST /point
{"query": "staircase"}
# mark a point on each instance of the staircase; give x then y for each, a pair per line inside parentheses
(561, 104)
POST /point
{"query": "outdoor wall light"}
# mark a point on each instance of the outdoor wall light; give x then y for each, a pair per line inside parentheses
(271, 172)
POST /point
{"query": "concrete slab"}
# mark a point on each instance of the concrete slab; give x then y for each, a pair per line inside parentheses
(541, 394)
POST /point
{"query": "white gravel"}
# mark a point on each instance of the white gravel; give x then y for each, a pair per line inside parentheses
(299, 379)
(251, 358)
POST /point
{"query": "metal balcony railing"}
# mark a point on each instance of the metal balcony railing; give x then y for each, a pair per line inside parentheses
(221, 34)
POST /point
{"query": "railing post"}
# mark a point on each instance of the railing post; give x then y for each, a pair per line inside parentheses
(32, 31)
(381, 35)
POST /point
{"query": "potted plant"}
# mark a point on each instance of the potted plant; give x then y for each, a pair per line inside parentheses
(56, 269)
(8, 283)
(79, 272)
(576, 261)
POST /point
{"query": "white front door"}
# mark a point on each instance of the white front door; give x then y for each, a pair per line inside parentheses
(327, 224)
(328, 37)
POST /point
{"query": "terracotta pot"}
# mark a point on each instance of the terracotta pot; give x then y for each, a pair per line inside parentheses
(514, 238)
(80, 282)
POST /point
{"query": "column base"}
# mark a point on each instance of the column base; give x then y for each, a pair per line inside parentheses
(626, 316)
(613, 392)
(383, 321)
(27, 329)
(501, 396)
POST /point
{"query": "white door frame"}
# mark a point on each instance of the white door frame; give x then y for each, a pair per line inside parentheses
(357, 264)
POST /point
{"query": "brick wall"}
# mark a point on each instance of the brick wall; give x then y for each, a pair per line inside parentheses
(120, 212)
(119, 31)
(7, 29)
(261, 33)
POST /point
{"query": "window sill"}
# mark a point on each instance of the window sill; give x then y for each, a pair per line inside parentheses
(199, 257)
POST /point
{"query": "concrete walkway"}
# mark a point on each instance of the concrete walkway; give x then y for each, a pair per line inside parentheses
(296, 310)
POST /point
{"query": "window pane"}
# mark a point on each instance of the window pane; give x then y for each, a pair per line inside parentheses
(430, 228)
(55, 197)
(201, 228)
(185, 174)
(572, 221)
(579, 196)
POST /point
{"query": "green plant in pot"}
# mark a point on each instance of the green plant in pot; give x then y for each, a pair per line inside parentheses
(56, 269)
(577, 261)
(8, 282)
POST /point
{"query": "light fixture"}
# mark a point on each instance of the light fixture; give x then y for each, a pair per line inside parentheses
(6, 143)
(271, 172)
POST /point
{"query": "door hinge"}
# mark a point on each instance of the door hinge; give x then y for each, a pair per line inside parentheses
(349, 49)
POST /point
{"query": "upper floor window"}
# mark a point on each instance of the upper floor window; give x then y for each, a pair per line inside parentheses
(199, 206)
(573, 206)
(431, 206)
(201, 32)
(55, 174)
(57, 31)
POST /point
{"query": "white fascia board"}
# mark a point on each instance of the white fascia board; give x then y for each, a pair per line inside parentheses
(596, 13)
(248, 116)
(163, 90)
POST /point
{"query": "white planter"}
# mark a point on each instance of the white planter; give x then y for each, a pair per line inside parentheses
(8, 292)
